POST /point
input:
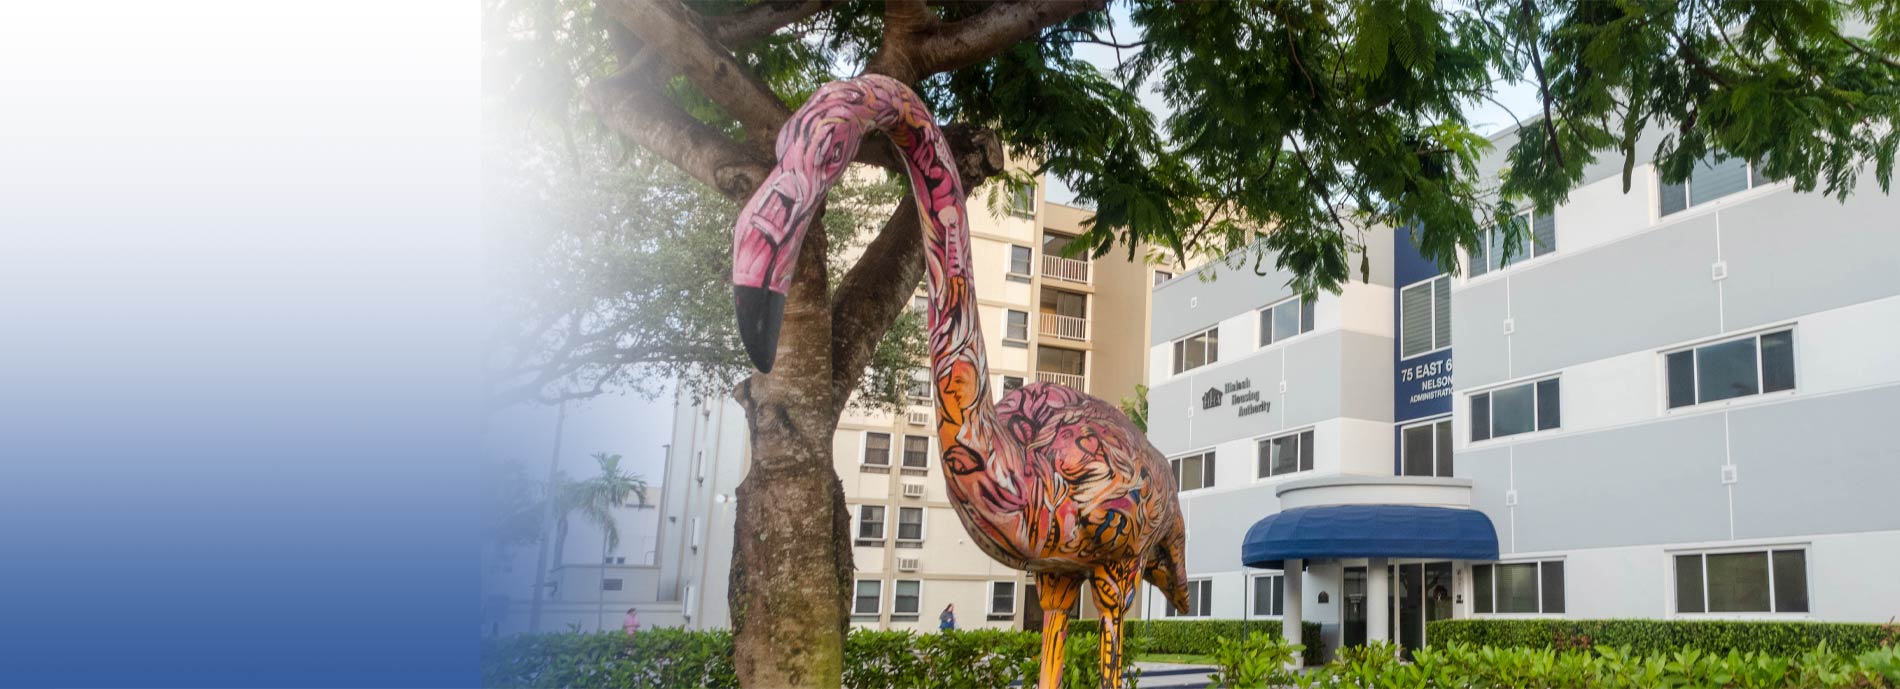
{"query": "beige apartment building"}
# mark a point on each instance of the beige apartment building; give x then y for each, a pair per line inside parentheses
(1046, 317)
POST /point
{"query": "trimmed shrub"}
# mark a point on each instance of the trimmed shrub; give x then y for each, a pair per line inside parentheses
(1652, 637)
(1199, 637)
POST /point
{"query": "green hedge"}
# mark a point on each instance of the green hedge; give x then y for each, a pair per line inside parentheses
(669, 658)
(1199, 637)
(1652, 637)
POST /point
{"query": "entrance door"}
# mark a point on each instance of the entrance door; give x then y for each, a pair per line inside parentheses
(1354, 611)
(1421, 593)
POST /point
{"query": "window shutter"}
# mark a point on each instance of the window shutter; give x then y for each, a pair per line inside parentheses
(1711, 182)
(1543, 233)
(1673, 198)
(1441, 312)
(1415, 309)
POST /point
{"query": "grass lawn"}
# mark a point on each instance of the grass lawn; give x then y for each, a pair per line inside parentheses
(1182, 658)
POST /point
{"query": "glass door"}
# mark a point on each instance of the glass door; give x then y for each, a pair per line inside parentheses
(1421, 593)
(1354, 611)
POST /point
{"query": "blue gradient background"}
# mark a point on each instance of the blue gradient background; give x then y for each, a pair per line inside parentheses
(239, 331)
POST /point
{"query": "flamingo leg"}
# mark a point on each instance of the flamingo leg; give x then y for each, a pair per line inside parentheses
(1115, 584)
(1058, 593)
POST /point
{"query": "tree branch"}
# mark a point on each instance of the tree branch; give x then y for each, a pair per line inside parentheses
(668, 27)
(648, 118)
(761, 20)
(962, 43)
(1543, 84)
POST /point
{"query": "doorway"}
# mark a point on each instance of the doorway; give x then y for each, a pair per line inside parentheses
(1032, 610)
(1353, 612)
(1421, 593)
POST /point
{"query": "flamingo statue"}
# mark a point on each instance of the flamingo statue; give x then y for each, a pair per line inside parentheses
(1049, 480)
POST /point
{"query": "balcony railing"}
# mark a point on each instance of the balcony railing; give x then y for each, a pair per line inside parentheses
(1068, 379)
(1065, 327)
(1069, 269)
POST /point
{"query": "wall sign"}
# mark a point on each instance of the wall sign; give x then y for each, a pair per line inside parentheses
(1240, 393)
(1423, 386)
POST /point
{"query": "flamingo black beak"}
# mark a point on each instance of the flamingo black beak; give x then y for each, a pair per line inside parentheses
(760, 312)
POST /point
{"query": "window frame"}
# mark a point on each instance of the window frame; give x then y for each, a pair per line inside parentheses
(1689, 205)
(857, 597)
(1161, 277)
(1264, 320)
(1177, 350)
(1005, 387)
(1026, 192)
(883, 523)
(1276, 602)
(1774, 599)
(990, 604)
(920, 380)
(1530, 255)
(1303, 439)
(1537, 576)
(1201, 592)
(1537, 411)
(1450, 431)
(1008, 337)
(895, 583)
(1176, 462)
(864, 449)
(923, 524)
(905, 461)
(1761, 371)
(1432, 317)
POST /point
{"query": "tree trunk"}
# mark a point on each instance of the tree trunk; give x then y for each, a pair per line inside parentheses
(791, 558)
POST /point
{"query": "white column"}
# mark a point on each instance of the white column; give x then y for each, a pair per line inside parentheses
(1290, 622)
(1377, 590)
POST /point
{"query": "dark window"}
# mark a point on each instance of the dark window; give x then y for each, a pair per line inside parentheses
(1425, 449)
(1708, 182)
(1552, 585)
(1269, 595)
(1425, 317)
(1022, 200)
(1197, 350)
(1012, 383)
(1752, 581)
(1522, 408)
(1194, 471)
(916, 451)
(910, 523)
(906, 597)
(868, 593)
(1019, 260)
(1518, 587)
(1286, 319)
(1285, 454)
(1163, 276)
(877, 449)
(1017, 325)
(1536, 236)
(871, 522)
(1730, 369)
(1481, 588)
(610, 584)
(1200, 599)
(1002, 597)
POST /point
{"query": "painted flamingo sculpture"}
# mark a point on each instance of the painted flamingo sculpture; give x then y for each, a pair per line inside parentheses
(1049, 480)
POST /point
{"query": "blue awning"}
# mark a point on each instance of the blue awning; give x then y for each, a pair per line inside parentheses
(1335, 531)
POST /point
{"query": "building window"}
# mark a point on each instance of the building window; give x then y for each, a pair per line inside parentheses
(919, 388)
(1162, 276)
(1016, 326)
(869, 593)
(1012, 383)
(1518, 587)
(1197, 350)
(1286, 319)
(1537, 234)
(1200, 599)
(1019, 257)
(1284, 454)
(1269, 595)
(1533, 406)
(1022, 200)
(1753, 581)
(910, 523)
(877, 449)
(920, 305)
(1425, 317)
(870, 522)
(610, 584)
(906, 597)
(1002, 598)
(1425, 449)
(916, 451)
(1734, 368)
(1708, 182)
(1194, 471)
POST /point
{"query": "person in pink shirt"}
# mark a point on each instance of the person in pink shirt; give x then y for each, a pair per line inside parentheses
(632, 622)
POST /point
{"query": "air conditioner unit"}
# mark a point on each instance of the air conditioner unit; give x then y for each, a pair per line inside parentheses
(913, 490)
(917, 417)
(906, 564)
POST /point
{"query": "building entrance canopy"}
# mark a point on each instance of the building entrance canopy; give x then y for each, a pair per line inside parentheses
(1378, 531)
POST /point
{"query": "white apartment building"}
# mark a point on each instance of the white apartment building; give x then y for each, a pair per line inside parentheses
(1671, 405)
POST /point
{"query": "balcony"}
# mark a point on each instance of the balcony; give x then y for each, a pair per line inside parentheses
(1065, 327)
(1069, 269)
(1068, 379)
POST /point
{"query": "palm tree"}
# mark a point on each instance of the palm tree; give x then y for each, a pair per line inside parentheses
(594, 499)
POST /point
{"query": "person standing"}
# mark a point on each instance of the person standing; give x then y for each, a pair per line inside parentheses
(948, 620)
(632, 622)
